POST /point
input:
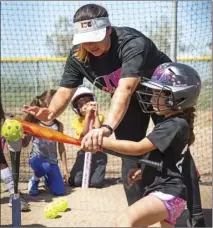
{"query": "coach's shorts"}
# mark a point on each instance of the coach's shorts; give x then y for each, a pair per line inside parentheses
(174, 205)
(42, 167)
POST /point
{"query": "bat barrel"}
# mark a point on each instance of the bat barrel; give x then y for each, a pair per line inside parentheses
(47, 133)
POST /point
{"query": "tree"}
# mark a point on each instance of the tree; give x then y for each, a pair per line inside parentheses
(161, 34)
(205, 98)
(60, 41)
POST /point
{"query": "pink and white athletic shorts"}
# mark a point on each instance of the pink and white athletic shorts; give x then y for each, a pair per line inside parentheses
(174, 205)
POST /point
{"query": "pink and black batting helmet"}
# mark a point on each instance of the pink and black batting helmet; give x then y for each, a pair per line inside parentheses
(181, 82)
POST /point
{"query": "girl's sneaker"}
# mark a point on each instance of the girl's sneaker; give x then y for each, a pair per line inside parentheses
(46, 184)
(24, 204)
(33, 187)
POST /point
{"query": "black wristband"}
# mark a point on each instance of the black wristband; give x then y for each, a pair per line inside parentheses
(108, 127)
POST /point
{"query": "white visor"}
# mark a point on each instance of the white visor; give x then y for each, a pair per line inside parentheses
(93, 30)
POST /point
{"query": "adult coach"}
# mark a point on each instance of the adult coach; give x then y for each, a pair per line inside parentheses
(114, 59)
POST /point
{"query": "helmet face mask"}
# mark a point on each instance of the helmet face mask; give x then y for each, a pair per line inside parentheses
(162, 99)
(178, 83)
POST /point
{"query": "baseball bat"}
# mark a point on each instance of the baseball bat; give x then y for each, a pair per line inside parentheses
(50, 134)
(47, 133)
(87, 160)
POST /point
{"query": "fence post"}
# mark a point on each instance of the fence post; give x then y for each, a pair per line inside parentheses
(37, 73)
(173, 53)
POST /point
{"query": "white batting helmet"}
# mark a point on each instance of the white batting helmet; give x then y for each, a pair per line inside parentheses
(80, 93)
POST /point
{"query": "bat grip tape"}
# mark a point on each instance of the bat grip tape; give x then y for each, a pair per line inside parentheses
(15, 163)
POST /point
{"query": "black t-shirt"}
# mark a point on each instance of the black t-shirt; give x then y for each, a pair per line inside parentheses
(171, 139)
(132, 54)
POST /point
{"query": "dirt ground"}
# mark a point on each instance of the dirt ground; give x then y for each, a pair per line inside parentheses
(87, 207)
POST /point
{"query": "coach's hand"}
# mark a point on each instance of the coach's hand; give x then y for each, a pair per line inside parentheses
(92, 141)
(43, 114)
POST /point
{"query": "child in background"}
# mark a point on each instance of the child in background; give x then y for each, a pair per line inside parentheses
(172, 92)
(84, 104)
(6, 175)
(43, 157)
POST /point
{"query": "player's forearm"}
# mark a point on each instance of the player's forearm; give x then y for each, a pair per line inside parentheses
(64, 161)
(63, 156)
(60, 100)
(64, 164)
(128, 147)
(122, 146)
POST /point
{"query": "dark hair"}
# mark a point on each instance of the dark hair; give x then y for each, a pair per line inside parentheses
(41, 101)
(189, 116)
(89, 11)
(2, 116)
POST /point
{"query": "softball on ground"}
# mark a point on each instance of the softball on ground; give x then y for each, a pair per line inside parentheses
(50, 212)
(61, 204)
(12, 130)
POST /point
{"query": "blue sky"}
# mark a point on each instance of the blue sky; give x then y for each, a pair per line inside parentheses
(25, 24)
